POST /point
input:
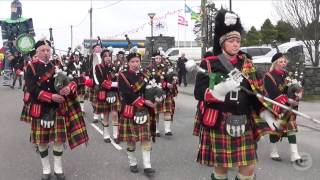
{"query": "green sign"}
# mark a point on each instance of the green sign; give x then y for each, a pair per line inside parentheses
(25, 43)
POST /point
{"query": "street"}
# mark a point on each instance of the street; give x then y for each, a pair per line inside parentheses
(172, 157)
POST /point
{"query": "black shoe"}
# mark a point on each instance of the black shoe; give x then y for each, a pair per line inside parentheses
(149, 171)
(134, 169)
(168, 134)
(107, 140)
(116, 140)
(12, 87)
(60, 176)
(45, 176)
(95, 121)
(276, 158)
(158, 134)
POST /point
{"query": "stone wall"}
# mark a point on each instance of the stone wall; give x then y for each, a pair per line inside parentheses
(311, 80)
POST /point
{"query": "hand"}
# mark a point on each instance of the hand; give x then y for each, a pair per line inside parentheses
(65, 91)
(223, 88)
(149, 103)
(293, 102)
(270, 119)
(170, 86)
(57, 98)
(236, 75)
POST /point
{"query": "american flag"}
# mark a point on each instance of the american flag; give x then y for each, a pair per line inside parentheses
(182, 21)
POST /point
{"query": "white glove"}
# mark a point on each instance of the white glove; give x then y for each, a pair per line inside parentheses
(269, 118)
(236, 75)
(158, 99)
(114, 84)
(223, 88)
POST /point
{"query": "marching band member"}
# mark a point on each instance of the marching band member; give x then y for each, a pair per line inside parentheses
(230, 116)
(108, 101)
(160, 70)
(134, 124)
(276, 85)
(50, 121)
(91, 82)
(76, 69)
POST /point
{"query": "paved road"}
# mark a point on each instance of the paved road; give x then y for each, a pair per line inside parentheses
(173, 158)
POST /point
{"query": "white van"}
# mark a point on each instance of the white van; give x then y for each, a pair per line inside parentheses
(193, 53)
(284, 48)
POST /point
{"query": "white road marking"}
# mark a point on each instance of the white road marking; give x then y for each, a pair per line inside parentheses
(115, 145)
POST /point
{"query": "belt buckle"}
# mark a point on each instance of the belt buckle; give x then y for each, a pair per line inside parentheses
(234, 95)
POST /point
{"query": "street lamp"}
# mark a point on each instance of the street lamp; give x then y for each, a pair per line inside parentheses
(151, 15)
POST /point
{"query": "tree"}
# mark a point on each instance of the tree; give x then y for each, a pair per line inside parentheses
(285, 31)
(303, 15)
(253, 37)
(268, 32)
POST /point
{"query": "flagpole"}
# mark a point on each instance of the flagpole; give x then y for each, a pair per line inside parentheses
(178, 34)
(185, 29)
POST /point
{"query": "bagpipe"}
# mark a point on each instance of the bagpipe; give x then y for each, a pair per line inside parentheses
(235, 74)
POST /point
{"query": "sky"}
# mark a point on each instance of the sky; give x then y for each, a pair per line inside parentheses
(113, 19)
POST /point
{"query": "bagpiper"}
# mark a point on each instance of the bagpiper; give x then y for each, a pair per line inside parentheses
(230, 116)
(277, 84)
(91, 81)
(54, 111)
(25, 114)
(160, 71)
(135, 122)
(108, 100)
(76, 68)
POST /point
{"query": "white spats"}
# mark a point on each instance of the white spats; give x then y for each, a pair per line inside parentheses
(106, 134)
(57, 162)
(294, 152)
(146, 158)
(167, 126)
(274, 151)
(46, 169)
(82, 107)
(132, 158)
(115, 132)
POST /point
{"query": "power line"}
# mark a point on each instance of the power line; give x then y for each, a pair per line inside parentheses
(109, 5)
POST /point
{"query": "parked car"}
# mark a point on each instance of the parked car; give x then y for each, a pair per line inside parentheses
(284, 48)
(193, 53)
(256, 51)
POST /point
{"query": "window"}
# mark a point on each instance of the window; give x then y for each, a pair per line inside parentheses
(174, 53)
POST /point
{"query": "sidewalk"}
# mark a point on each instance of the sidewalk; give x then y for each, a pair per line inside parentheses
(306, 107)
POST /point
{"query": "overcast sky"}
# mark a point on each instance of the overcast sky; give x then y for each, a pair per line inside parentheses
(113, 18)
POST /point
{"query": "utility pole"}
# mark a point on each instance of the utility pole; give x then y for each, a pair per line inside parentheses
(204, 27)
(71, 37)
(90, 11)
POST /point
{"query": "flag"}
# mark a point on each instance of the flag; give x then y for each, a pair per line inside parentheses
(187, 9)
(195, 16)
(182, 21)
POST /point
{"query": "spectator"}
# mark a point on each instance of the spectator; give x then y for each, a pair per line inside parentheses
(17, 64)
(182, 72)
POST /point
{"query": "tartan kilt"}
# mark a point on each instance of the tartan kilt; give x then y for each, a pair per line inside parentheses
(104, 107)
(75, 124)
(197, 123)
(86, 93)
(92, 94)
(81, 90)
(129, 131)
(288, 124)
(219, 149)
(166, 106)
(25, 116)
(57, 133)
